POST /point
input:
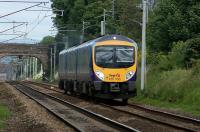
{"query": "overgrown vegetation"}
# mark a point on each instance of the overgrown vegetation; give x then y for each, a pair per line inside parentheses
(173, 78)
(177, 88)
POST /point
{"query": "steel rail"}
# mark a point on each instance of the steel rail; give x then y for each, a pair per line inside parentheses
(164, 113)
(161, 113)
(88, 113)
(151, 119)
(49, 110)
(137, 106)
(48, 86)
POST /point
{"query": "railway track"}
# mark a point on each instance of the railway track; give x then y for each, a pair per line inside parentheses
(166, 114)
(160, 117)
(48, 86)
(79, 118)
(183, 125)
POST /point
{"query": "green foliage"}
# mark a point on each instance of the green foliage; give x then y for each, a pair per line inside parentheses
(129, 16)
(196, 67)
(172, 21)
(178, 54)
(173, 34)
(193, 51)
(182, 55)
(91, 11)
(173, 57)
(48, 40)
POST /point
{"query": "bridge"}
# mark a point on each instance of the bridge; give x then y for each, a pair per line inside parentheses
(30, 50)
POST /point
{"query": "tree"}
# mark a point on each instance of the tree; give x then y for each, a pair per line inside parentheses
(130, 17)
(77, 11)
(48, 40)
(172, 21)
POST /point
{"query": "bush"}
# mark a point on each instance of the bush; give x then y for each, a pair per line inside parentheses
(183, 55)
(177, 55)
(193, 51)
(196, 67)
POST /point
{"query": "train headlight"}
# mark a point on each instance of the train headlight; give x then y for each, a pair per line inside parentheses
(129, 75)
(100, 75)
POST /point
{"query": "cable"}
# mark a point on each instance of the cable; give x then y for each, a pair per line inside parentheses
(36, 25)
(6, 1)
(12, 34)
(20, 10)
(14, 22)
(27, 32)
(21, 35)
(35, 18)
(12, 39)
(11, 28)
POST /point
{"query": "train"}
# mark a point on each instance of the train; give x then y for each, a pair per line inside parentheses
(105, 67)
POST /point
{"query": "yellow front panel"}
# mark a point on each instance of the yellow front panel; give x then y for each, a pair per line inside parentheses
(115, 74)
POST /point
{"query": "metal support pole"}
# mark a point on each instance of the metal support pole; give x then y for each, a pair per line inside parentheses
(21, 74)
(33, 67)
(143, 62)
(66, 41)
(83, 32)
(41, 68)
(26, 68)
(29, 67)
(113, 9)
(104, 19)
(36, 65)
(54, 64)
(23, 68)
(51, 65)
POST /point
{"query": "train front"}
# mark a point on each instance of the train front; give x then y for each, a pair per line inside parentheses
(115, 66)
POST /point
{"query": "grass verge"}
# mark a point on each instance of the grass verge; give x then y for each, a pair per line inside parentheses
(4, 115)
(178, 89)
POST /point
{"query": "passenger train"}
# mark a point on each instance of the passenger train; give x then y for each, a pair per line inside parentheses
(105, 67)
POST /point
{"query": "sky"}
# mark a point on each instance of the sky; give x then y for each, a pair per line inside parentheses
(39, 22)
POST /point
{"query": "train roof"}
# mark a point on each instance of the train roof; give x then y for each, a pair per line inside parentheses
(114, 37)
(63, 51)
(100, 39)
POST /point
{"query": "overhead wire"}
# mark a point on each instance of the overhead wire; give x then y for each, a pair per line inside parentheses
(19, 10)
(12, 39)
(14, 1)
(37, 19)
(11, 28)
(38, 23)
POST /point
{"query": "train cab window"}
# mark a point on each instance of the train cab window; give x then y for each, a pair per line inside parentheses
(104, 54)
(124, 54)
(114, 56)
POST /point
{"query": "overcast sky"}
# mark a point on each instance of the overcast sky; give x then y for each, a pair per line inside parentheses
(38, 25)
